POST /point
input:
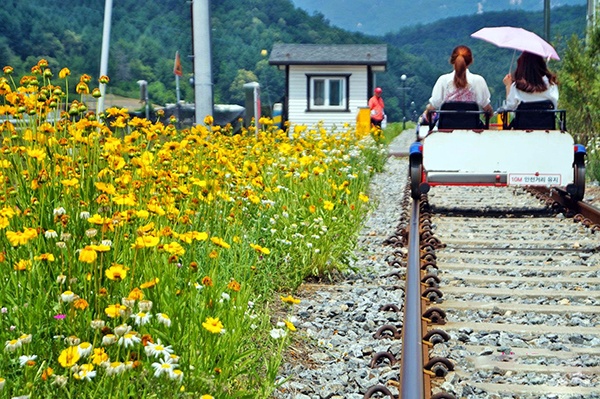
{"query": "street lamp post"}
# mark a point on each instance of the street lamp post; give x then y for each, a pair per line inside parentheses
(403, 79)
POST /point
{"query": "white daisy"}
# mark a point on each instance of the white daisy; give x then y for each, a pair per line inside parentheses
(86, 372)
(158, 349)
(164, 319)
(84, 349)
(50, 234)
(109, 339)
(129, 339)
(122, 329)
(67, 296)
(277, 333)
(115, 368)
(23, 360)
(141, 318)
(12, 345)
(176, 375)
(163, 366)
(25, 338)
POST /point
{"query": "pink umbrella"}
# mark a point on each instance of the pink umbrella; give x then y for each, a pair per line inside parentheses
(518, 39)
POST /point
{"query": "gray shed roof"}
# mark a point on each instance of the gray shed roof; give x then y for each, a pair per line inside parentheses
(328, 54)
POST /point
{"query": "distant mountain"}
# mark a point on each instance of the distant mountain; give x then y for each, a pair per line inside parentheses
(378, 17)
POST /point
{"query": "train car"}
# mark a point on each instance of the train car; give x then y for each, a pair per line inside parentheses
(534, 149)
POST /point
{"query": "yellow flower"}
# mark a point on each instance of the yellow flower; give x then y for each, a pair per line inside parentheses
(116, 272)
(45, 257)
(290, 299)
(99, 220)
(200, 236)
(254, 199)
(105, 188)
(174, 248)
(88, 255)
(68, 357)
(100, 248)
(70, 182)
(64, 73)
(82, 88)
(290, 325)
(125, 199)
(220, 242)
(328, 205)
(260, 249)
(207, 397)
(363, 197)
(312, 209)
(22, 265)
(146, 241)
(116, 310)
(37, 154)
(213, 325)
(99, 356)
(150, 284)
(156, 209)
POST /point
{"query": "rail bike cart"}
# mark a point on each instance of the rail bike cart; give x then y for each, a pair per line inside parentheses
(533, 150)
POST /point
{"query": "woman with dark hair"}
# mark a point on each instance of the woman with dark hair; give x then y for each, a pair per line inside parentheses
(461, 85)
(531, 81)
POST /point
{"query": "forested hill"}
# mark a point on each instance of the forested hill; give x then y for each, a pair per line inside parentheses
(144, 39)
(384, 16)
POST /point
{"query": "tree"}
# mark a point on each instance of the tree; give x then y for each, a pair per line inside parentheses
(236, 89)
(579, 80)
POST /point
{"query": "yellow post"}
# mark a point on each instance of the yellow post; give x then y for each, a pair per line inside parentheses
(500, 122)
(363, 120)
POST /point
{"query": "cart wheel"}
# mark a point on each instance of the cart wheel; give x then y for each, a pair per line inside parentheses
(578, 181)
(416, 176)
(577, 189)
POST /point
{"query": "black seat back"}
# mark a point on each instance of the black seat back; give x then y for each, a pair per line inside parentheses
(535, 115)
(454, 119)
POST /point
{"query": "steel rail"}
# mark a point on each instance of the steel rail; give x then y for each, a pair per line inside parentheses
(411, 371)
(579, 207)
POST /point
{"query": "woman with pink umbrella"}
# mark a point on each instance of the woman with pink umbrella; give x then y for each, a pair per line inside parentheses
(531, 81)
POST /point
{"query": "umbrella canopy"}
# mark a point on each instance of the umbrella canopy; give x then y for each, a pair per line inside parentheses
(518, 39)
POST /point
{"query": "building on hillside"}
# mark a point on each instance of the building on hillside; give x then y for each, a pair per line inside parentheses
(327, 83)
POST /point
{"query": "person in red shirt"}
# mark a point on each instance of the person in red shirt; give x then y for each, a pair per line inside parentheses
(376, 105)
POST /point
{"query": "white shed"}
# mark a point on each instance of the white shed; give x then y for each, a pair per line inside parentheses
(327, 83)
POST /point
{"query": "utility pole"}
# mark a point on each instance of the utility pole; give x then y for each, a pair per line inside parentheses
(104, 54)
(547, 20)
(203, 87)
(592, 12)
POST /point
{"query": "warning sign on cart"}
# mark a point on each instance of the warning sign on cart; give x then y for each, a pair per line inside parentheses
(534, 179)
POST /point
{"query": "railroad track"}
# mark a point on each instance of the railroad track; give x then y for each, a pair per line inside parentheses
(515, 286)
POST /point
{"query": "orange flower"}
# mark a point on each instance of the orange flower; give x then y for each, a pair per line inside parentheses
(207, 281)
(82, 88)
(234, 285)
(150, 284)
(80, 304)
(136, 294)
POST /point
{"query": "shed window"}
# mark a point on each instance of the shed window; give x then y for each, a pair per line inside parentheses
(328, 92)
